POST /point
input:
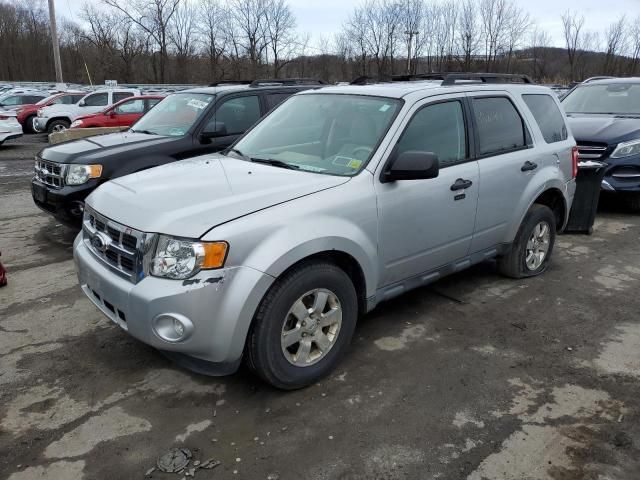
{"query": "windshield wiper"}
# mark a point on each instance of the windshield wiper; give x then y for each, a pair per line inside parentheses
(275, 163)
(237, 152)
(148, 132)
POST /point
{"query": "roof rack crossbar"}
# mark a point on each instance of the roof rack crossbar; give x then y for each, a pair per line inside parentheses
(230, 82)
(451, 78)
(287, 81)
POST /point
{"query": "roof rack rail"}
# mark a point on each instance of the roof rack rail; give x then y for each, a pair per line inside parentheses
(286, 81)
(230, 82)
(451, 78)
(409, 77)
(593, 79)
(367, 80)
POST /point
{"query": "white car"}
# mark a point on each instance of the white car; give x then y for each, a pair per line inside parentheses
(9, 127)
(56, 118)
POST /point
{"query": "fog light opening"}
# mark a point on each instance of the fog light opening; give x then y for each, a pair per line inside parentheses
(172, 327)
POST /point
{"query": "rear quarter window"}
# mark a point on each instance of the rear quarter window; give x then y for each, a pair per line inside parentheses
(547, 116)
(499, 126)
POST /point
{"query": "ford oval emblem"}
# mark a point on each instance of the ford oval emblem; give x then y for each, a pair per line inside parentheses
(100, 242)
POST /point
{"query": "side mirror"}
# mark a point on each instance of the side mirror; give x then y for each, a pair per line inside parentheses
(82, 104)
(111, 113)
(412, 165)
(213, 130)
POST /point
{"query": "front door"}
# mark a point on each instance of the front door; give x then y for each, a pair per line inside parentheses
(426, 224)
(238, 114)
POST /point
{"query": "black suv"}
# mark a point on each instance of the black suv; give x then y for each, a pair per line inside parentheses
(604, 116)
(185, 124)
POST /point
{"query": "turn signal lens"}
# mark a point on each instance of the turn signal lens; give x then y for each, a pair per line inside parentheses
(215, 254)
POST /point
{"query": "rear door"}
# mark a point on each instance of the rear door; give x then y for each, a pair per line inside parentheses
(94, 103)
(507, 163)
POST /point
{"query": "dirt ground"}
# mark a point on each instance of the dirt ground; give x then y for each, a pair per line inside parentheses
(475, 377)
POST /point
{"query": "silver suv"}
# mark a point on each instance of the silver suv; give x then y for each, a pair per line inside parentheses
(339, 199)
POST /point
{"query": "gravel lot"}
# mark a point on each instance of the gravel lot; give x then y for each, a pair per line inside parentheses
(476, 377)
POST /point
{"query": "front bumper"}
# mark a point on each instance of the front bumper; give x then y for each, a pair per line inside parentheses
(219, 303)
(622, 175)
(10, 129)
(65, 204)
(40, 124)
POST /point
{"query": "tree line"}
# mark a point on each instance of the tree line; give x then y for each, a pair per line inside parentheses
(201, 41)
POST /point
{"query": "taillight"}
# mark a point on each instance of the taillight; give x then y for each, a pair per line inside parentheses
(574, 162)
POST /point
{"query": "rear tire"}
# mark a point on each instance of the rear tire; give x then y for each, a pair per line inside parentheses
(58, 126)
(530, 252)
(27, 126)
(291, 347)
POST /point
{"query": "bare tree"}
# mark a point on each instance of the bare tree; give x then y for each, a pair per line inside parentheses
(182, 36)
(573, 25)
(153, 17)
(634, 44)
(281, 24)
(615, 38)
(411, 16)
(494, 15)
(214, 19)
(468, 33)
(517, 24)
(248, 29)
(540, 43)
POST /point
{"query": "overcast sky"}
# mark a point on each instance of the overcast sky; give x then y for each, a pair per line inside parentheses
(324, 17)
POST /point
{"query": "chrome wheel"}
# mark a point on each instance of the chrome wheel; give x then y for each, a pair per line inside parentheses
(538, 246)
(311, 327)
(58, 128)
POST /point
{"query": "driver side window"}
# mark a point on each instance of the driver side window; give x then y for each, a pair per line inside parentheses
(238, 114)
(97, 100)
(439, 129)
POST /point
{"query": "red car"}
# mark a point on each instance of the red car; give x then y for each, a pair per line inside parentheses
(27, 113)
(121, 114)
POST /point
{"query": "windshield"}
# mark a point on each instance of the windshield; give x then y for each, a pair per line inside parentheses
(174, 115)
(613, 98)
(323, 133)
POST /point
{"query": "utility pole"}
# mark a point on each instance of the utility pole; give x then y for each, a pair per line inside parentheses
(411, 34)
(54, 41)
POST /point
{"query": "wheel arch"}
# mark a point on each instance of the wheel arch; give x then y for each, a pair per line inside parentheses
(554, 199)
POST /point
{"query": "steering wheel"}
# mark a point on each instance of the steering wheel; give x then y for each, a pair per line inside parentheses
(367, 151)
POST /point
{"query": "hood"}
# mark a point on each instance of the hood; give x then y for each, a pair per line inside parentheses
(95, 149)
(188, 198)
(609, 129)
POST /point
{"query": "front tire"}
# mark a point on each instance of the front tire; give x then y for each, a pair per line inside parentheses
(58, 126)
(530, 252)
(303, 326)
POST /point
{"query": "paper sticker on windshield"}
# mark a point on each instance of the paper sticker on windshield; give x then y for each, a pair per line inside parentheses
(355, 163)
(199, 104)
(313, 169)
(385, 107)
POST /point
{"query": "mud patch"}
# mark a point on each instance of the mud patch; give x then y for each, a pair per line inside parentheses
(400, 342)
(612, 278)
(621, 354)
(55, 471)
(109, 425)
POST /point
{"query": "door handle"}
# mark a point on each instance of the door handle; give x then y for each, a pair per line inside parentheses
(528, 166)
(461, 184)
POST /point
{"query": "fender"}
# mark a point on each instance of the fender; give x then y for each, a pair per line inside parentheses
(547, 178)
(288, 246)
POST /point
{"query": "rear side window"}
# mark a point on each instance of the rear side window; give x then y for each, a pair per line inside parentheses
(548, 117)
(499, 125)
(275, 99)
(438, 129)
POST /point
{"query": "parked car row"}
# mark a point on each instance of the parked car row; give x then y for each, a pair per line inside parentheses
(312, 213)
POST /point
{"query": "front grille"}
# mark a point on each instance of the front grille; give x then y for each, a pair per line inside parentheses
(50, 173)
(122, 248)
(626, 173)
(591, 151)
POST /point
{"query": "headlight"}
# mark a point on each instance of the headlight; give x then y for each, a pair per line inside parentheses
(180, 259)
(76, 123)
(40, 112)
(79, 174)
(627, 149)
